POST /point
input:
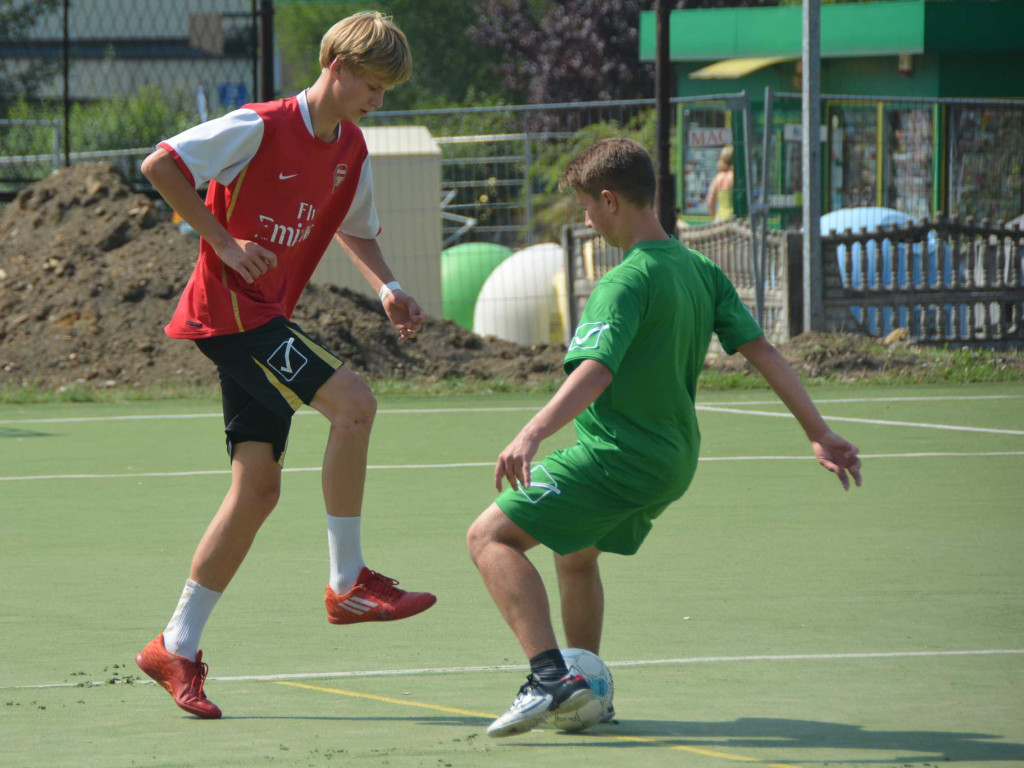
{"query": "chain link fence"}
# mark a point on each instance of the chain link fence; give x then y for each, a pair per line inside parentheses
(107, 79)
(500, 165)
(101, 80)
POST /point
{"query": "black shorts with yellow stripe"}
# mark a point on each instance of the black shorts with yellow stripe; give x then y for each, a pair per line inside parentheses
(266, 374)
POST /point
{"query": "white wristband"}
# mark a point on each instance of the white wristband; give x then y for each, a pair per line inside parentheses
(388, 288)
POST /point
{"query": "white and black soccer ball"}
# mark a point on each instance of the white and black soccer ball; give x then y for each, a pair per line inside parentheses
(599, 677)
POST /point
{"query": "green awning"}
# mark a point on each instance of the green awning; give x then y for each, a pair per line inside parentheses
(847, 29)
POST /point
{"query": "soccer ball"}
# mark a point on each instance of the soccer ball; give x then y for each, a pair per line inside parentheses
(599, 677)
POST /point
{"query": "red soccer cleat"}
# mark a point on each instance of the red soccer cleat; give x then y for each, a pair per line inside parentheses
(374, 598)
(182, 678)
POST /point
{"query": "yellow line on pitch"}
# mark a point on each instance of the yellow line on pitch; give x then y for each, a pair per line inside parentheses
(491, 716)
(389, 700)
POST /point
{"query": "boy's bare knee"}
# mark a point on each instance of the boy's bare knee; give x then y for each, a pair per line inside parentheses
(260, 495)
(584, 561)
(476, 538)
(346, 400)
(494, 527)
(268, 493)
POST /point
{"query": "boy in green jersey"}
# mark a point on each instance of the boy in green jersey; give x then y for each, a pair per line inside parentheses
(632, 370)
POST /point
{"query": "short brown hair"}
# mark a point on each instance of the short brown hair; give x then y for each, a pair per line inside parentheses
(621, 165)
(369, 43)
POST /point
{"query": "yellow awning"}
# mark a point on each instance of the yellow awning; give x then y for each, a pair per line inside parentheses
(730, 69)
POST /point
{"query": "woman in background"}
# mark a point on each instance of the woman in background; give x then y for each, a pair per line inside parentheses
(720, 192)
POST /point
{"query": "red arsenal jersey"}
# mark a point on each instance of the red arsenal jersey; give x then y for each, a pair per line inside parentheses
(271, 181)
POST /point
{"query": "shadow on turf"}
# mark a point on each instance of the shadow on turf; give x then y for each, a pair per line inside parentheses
(770, 733)
(745, 733)
(12, 432)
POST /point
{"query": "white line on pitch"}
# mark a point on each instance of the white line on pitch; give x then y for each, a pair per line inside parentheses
(384, 411)
(517, 667)
(883, 422)
(198, 472)
(305, 412)
(471, 464)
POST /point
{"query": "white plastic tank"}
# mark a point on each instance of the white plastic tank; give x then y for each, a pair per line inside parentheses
(519, 300)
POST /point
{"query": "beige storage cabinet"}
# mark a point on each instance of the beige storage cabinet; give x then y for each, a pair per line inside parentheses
(406, 164)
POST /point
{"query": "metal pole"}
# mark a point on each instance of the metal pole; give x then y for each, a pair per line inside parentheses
(810, 166)
(67, 88)
(528, 177)
(569, 249)
(766, 148)
(748, 146)
(255, 42)
(56, 143)
(662, 85)
(267, 49)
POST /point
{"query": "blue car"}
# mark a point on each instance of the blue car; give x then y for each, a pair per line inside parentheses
(923, 271)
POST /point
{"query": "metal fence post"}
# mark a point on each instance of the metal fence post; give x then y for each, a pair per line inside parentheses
(662, 85)
(810, 165)
(569, 249)
(766, 146)
(748, 145)
(267, 50)
(67, 87)
(528, 176)
(56, 143)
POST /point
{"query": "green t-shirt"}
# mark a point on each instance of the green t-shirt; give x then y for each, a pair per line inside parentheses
(649, 321)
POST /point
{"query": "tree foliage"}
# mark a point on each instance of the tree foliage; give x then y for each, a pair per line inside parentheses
(448, 67)
(17, 17)
(578, 50)
(141, 119)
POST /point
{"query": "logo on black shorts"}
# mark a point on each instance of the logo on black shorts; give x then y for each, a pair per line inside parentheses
(541, 484)
(287, 360)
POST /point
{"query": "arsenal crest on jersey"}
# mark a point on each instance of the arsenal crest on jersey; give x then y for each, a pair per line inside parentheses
(340, 172)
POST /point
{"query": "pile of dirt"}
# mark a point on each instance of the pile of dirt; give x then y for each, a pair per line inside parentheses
(90, 272)
(842, 357)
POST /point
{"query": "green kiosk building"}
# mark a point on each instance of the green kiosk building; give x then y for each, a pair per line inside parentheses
(922, 102)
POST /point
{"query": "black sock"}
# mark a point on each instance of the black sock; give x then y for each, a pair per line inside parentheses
(548, 665)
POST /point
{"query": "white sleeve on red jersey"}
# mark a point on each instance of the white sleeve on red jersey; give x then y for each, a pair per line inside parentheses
(361, 219)
(220, 148)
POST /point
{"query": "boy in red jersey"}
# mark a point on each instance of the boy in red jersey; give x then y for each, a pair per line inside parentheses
(284, 178)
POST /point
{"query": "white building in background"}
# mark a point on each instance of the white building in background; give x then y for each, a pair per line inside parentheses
(203, 47)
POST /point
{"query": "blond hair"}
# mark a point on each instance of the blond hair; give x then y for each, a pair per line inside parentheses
(725, 158)
(368, 43)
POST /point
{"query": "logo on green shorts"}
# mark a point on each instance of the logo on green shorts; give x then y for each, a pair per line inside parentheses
(541, 484)
(588, 336)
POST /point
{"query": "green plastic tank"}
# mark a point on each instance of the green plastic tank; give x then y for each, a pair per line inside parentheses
(464, 269)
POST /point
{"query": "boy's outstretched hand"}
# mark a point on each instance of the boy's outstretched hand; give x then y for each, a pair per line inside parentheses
(838, 455)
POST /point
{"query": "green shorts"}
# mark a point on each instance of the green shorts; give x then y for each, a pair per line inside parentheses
(573, 504)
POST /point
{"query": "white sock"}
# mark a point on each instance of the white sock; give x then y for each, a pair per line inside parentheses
(189, 619)
(346, 551)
